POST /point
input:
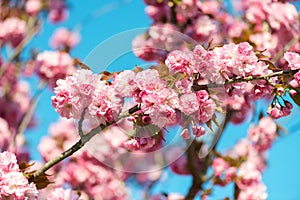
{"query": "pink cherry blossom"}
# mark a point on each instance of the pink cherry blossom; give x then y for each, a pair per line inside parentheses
(62, 101)
(210, 7)
(94, 178)
(62, 37)
(125, 83)
(205, 28)
(230, 173)
(178, 61)
(32, 7)
(248, 176)
(185, 134)
(77, 92)
(8, 162)
(219, 166)
(61, 194)
(54, 65)
(13, 184)
(293, 59)
(13, 30)
(57, 12)
(275, 112)
(206, 106)
(161, 39)
(264, 134)
(139, 144)
(158, 11)
(188, 103)
(257, 191)
(198, 131)
(157, 100)
(106, 104)
(187, 9)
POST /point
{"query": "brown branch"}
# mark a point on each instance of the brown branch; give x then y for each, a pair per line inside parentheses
(58, 159)
(84, 139)
(199, 176)
(197, 181)
(266, 77)
(191, 151)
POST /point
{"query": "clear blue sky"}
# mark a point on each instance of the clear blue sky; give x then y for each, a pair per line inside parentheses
(282, 175)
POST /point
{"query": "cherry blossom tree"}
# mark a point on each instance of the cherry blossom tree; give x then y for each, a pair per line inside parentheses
(212, 65)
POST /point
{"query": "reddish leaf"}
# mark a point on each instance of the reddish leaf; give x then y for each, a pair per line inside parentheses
(41, 181)
(137, 69)
(23, 165)
(105, 75)
(81, 64)
(271, 65)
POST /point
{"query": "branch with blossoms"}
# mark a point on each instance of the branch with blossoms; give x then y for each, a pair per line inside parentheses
(192, 86)
(96, 95)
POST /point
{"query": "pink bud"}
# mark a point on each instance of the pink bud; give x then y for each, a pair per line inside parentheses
(285, 111)
(293, 92)
(294, 83)
(185, 134)
(275, 113)
(219, 165)
(280, 90)
(146, 119)
(32, 7)
(288, 105)
(198, 131)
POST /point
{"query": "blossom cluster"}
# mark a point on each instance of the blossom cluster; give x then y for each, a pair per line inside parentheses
(190, 85)
(278, 108)
(206, 20)
(77, 172)
(62, 38)
(54, 65)
(216, 66)
(103, 101)
(275, 24)
(245, 163)
(13, 184)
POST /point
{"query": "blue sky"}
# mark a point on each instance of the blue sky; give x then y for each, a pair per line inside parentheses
(282, 175)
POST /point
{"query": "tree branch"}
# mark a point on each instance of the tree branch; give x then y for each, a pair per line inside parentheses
(83, 140)
(196, 173)
(191, 151)
(197, 87)
(59, 158)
